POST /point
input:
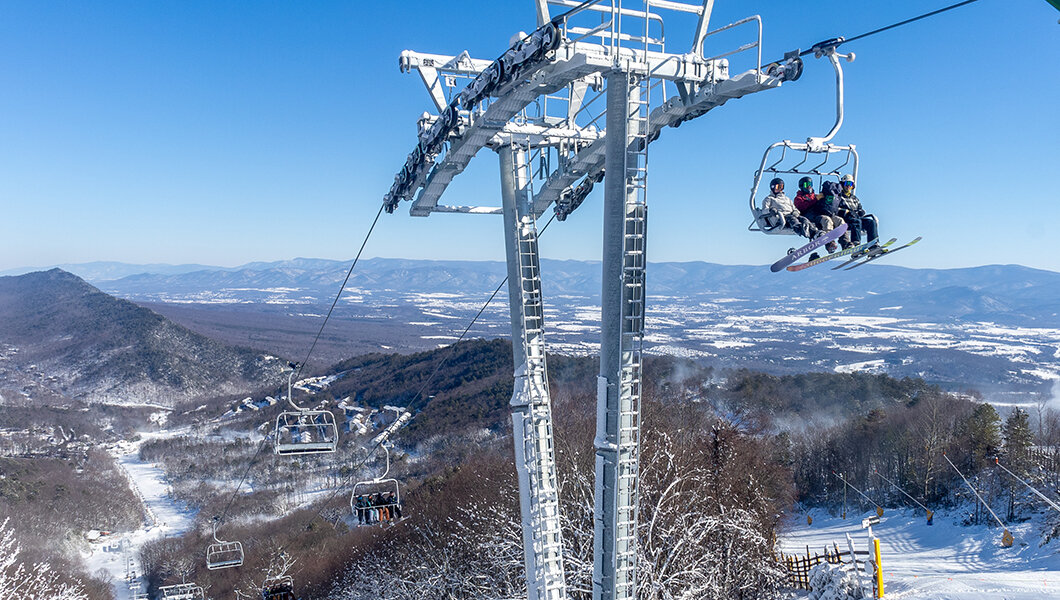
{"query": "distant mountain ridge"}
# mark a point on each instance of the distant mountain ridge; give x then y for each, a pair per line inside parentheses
(565, 277)
(1008, 292)
(994, 327)
(61, 334)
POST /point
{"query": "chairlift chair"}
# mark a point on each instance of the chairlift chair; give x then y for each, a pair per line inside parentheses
(304, 431)
(388, 489)
(221, 554)
(181, 591)
(816, 157)
(278, 588)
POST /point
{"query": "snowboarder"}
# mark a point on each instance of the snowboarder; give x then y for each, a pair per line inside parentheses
(362, 510)
(395, 505)
(784, 211)
(814, 207)
(853, 213)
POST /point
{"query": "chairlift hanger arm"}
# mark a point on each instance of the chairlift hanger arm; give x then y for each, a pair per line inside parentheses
(588, 162)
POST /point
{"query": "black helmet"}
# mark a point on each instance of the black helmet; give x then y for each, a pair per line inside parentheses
(803, 183)
(776, 181)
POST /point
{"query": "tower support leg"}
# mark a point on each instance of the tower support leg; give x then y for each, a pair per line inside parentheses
(617, 439)
(531, 402)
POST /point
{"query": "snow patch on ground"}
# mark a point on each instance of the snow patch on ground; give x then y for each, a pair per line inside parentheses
(944, 561)
(120, 555)
(868, 366)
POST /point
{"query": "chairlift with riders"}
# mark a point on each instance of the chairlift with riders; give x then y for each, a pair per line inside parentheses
(387, 494)
(302, 430)
(181, 591)
(221, 554)
(817, 157)
(278, 588)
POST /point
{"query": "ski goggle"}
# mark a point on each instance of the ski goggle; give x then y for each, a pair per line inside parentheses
(779, 184)
(848, 184)
(806, 185)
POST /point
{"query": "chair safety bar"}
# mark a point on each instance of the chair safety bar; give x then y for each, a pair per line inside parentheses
(224, 555)
(306, 432)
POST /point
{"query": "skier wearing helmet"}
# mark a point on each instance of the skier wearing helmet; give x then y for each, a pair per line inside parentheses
(814, 207)
(784, 212)
(853, 213)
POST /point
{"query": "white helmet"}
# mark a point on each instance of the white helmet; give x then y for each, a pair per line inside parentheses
(847, 177)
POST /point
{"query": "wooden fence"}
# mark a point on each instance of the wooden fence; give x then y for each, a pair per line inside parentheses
(798, 567)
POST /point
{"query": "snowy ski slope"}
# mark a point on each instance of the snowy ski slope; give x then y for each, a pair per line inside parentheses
(944, 561)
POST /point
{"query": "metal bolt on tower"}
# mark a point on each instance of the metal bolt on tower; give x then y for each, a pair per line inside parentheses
(537, 106)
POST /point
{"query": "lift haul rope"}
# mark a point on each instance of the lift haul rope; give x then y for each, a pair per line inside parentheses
(839, 41)
(342, 288)
(835, 42)
(420, 394)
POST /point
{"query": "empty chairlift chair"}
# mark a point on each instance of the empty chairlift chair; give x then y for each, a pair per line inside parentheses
(304, 431)
(377, 500)
(816, 157)
(278, 588)
(221, 554)
(181, 591)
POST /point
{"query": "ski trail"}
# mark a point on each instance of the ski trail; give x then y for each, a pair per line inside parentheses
(943, 561)
(165, 516)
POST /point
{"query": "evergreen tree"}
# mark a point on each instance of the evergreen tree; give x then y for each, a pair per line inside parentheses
(1018, 442)
(981, 435)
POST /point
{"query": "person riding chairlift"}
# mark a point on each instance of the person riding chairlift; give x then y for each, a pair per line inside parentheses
(821, 210)
(784, 211)
(853, 213)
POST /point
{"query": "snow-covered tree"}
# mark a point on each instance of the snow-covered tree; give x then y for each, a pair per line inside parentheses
(708, 513)
(30, 581)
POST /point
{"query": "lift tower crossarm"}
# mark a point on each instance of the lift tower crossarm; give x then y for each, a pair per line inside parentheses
(479, 128)
(589, 161)
(530, 106)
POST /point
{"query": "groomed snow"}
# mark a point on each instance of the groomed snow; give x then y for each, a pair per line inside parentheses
(945, 561)
(120, 553)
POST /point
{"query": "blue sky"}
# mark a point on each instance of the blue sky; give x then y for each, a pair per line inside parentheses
(224, 132)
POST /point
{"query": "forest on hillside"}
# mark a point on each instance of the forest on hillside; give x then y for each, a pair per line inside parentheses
(729, 458)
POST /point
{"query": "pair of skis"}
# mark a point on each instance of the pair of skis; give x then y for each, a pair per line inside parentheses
(859, 255)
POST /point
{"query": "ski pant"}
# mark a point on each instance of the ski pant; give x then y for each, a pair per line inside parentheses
(800, 225)
(829, 222)
(868, 224)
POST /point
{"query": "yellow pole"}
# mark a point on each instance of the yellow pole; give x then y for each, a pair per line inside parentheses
(879, 567)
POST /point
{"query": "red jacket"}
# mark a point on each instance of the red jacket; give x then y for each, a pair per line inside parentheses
(804, 200)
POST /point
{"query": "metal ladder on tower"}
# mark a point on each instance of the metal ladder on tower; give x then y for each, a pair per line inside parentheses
(633, 271)
(538, 445)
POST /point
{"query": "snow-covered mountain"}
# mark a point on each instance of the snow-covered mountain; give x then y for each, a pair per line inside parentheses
(61, 338)
(996, 328)
(1008, 293)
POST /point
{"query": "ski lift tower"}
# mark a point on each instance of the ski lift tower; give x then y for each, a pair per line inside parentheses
(538, 107)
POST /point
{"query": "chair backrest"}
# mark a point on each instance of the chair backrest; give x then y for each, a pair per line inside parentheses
(306, 432)
(224, 555)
